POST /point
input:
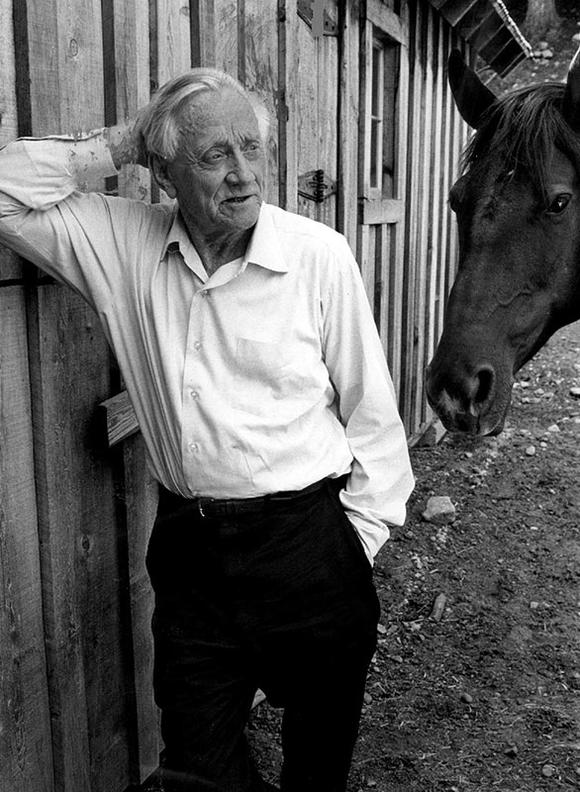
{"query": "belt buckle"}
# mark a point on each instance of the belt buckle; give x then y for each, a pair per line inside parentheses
(200, 509)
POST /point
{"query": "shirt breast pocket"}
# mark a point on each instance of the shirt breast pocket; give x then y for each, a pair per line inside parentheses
(260, 361)
(267, 376)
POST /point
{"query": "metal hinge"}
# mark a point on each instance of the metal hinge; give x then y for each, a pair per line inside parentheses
(305, 10)
(316, 186)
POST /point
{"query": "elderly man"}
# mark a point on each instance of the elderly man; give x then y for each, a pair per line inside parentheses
(251, 358)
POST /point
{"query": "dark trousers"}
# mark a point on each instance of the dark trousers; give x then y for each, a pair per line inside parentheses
(282, 600)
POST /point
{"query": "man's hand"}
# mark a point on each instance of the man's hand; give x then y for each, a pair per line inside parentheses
(126, 143)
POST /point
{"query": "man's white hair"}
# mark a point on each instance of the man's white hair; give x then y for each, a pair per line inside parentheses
(161, 120)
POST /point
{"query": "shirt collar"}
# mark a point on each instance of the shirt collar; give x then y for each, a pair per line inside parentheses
(264, 248)
(178, 238)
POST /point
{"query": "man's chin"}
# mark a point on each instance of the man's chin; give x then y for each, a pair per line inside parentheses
(242, 214)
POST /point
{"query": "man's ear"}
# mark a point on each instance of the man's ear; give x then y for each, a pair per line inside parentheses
(159, 168)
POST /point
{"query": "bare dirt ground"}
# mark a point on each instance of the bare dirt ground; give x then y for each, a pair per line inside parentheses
(488, 697)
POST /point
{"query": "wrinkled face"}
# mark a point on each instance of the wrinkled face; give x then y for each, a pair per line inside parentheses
(218, 174)
(516, 279)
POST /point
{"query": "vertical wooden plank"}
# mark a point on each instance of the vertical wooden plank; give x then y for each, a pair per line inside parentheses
(258, 71)
(457, 144)
(347, 203)
(328, 70)
(203, 30)
(174, 54)
(446, 217)
(366, 262)
(141, 492)
(9, 265)
(426, 55)
(129, 50)
(413, 212)
(315, 103)
(226, 35)
(398, 243)
(25, 744)
(130, 56)
(435, 203)
(365, 256)
(304, 108)
(171, 51)
(287, 10)
(69, 363)
(287, 182)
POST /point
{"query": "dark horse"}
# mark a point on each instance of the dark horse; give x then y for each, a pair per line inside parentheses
(518, 212)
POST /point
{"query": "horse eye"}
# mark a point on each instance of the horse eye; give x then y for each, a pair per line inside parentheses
(559, 203)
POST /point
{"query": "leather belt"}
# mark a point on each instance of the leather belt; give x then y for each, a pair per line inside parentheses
(212, 508)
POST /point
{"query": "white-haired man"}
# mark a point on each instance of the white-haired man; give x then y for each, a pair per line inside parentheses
(251, 358)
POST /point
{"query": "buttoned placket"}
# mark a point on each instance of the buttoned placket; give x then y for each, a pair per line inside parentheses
(192, 449)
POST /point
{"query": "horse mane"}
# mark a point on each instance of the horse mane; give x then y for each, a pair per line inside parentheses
(522, 129)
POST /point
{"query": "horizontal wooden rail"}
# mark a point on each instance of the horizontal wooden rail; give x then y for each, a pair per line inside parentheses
(119, 417)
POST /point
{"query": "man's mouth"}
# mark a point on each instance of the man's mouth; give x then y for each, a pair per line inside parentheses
(238, 199)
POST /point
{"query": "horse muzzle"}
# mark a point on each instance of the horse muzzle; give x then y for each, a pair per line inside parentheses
(470, 404)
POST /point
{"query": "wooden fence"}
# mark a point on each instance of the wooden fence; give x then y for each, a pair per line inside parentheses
(343, 81)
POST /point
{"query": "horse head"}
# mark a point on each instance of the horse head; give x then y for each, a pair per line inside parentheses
(518, 212)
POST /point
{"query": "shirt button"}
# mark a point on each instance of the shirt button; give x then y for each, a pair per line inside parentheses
(197, 344)
(193, 447)
(194, 394)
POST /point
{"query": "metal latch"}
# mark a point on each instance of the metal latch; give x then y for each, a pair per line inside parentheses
(316, 186)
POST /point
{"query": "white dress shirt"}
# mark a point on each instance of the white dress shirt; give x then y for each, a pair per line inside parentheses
(267, 376)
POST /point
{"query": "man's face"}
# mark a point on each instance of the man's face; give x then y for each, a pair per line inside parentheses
(217, 176)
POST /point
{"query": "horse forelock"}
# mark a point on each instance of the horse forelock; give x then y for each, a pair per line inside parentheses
(518, 134)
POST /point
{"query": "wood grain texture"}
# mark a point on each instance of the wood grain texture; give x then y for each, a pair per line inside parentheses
(25, 745)
(10, 266)
(69, 362)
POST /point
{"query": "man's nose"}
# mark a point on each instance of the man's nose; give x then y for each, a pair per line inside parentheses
(240, 170)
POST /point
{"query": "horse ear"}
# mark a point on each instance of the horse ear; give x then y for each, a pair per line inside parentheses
(571, 105)
(471, 96)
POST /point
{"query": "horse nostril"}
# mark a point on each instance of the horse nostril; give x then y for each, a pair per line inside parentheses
(485, 381)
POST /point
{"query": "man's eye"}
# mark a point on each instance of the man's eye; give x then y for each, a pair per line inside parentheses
(214, 156)
(252, 148)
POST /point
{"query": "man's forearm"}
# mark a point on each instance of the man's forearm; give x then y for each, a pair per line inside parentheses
(126, 144)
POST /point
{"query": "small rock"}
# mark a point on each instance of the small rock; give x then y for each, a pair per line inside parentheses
(439, 510)
(543, 45)
(466, 698)
(368, 698)
(381, 628)
(371, 782)
(575, 391)
(548, 770)
(534, 605)
(553, 428)
(576, 37)
(511, 750)
(530, 450)
(547, 54)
